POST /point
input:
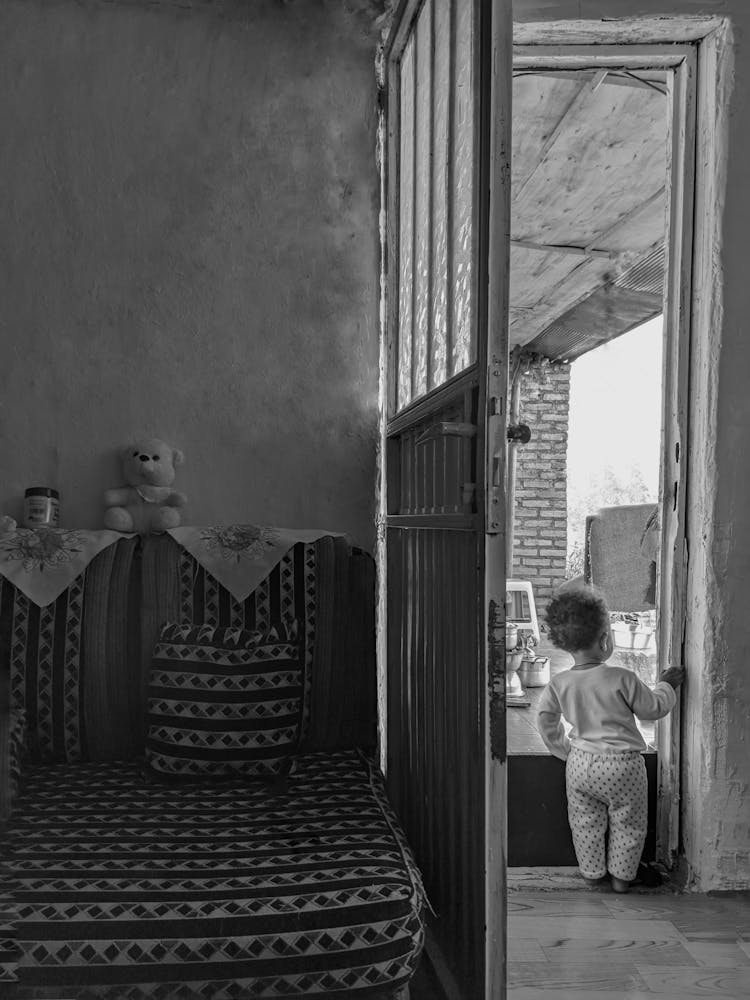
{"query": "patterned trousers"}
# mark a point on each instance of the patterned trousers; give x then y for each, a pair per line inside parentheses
(607, 790)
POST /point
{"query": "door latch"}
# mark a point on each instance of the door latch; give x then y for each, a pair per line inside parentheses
(519, 433)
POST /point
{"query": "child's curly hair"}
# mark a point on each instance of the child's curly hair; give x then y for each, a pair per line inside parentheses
(576, 618)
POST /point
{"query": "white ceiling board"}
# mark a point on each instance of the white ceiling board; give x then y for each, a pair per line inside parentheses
(609, 157)
(533, 270)
(539, 103)
(641, 229)
(589, 171)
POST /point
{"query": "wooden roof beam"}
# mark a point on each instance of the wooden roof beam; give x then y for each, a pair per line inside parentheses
(626, 78)
(615, 77)
(564, 248)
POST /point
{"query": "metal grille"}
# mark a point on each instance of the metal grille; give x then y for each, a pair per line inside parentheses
(435, 749)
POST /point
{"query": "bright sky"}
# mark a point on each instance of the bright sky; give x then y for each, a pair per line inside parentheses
(615, 408)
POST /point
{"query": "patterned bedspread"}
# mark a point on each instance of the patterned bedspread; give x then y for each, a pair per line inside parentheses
(129, 889)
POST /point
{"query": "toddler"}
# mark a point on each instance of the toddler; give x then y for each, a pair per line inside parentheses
(605, 772)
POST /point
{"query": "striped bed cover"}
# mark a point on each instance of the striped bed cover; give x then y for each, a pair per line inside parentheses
(127, 889)
(113, 886)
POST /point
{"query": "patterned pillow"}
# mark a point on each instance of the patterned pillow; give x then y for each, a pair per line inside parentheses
(224, 701)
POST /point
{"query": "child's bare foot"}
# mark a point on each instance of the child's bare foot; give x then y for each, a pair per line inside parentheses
(593, 881)
(619, 885)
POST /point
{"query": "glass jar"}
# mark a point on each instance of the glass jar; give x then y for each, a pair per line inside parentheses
(41, 507)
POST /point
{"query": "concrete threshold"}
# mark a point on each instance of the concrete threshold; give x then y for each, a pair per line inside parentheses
(567, 879)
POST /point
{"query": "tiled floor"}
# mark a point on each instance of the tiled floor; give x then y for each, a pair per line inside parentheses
(523, 737)
(597, 945)
(594, 945)
(567, 942)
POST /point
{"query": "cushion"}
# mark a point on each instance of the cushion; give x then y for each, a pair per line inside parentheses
(224, 701)
(328, 588)
(292, 590)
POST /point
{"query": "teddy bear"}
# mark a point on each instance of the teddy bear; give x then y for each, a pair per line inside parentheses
(147, 503)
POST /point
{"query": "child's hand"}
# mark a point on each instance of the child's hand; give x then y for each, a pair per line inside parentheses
(673, 675)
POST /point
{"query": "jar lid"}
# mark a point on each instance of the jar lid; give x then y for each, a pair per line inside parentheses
(42, 491)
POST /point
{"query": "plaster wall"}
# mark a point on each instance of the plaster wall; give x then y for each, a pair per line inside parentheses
(189, 249)
(715, 808)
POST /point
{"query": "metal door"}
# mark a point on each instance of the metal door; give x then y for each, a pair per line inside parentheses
(448, 66)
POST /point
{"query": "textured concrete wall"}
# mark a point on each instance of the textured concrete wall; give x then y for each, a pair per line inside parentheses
(541, 510)
(715, 806)
(189, 249)
(716, 768)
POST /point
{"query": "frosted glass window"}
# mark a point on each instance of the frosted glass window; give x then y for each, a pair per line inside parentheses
(440, 176)
(436, 335)
(423, 201)
(406, 226)
(464, 348)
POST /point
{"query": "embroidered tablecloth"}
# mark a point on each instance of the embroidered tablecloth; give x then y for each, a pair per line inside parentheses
(43, 562)
(240, 556)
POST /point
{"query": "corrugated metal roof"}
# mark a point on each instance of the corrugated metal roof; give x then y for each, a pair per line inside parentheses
(647, 275)
(604, 315)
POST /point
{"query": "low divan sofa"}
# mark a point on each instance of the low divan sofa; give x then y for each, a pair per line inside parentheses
(131, 867)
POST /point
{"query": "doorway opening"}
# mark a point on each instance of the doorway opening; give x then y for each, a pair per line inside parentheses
(613, 458)
(597, 231)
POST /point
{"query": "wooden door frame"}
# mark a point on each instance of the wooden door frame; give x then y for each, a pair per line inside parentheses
(650, 43)
(497, 96)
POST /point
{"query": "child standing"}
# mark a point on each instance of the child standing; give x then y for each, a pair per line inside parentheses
(605, 772)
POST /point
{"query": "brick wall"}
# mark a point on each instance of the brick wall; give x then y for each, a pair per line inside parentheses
(541, 531)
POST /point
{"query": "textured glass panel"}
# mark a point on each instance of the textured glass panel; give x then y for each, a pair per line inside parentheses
(438, 367)
(423, 182)
(464, 348)
(406, 226)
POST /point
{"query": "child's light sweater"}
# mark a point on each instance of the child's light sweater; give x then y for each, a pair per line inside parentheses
(601, 704)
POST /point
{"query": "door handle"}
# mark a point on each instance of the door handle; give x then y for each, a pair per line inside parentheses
(519, 433)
